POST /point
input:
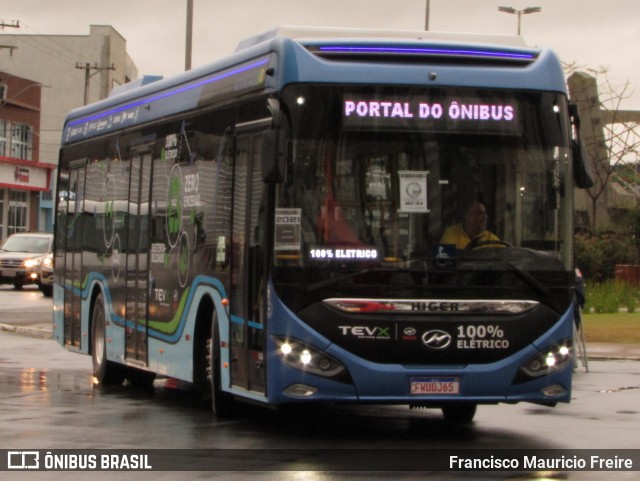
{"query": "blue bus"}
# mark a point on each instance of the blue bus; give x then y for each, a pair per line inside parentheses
(293, 224)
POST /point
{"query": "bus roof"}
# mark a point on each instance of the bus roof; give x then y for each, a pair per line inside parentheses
(305, 34)
(271, 60)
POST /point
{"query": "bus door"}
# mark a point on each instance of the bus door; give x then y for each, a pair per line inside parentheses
(136, 260)
(248, 283)
(74, 236)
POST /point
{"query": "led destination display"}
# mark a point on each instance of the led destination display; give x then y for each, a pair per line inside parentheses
(452, 114)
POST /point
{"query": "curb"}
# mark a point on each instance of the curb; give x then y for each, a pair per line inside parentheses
(29, 331)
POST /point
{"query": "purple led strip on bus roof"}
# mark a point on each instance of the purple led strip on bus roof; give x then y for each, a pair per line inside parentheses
(422, 50)
(169, 93)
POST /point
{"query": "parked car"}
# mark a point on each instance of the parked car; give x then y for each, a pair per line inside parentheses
(21, 256)
(45, 283)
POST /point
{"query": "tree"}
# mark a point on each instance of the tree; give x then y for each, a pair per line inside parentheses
(611, 134)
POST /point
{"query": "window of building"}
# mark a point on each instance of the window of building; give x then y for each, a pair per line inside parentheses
(2, 194)
(18, 219)
(21, 142)
(4, 141)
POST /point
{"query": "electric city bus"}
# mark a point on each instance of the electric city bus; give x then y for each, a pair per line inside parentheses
(269, 227)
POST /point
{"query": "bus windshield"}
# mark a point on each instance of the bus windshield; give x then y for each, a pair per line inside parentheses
(375, 178)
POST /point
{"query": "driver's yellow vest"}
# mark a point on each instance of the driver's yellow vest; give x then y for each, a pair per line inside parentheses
(456, 235)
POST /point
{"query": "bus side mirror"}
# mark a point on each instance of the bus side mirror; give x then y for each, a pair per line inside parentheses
(582, 172)
(272, 145)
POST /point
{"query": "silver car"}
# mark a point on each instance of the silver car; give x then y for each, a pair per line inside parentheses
(21, 256)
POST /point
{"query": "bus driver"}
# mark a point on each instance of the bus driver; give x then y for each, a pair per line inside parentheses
(472, 229)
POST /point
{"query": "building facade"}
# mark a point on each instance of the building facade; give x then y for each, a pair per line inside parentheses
(46, 76)
(22, 176)
(611, 196)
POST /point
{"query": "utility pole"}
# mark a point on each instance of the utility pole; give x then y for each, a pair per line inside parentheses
(189, 40)
(13, 24)
(10, 47)
(427, 15)
(87, 75)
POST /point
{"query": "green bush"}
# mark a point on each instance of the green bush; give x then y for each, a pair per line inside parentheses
(597, 256)
(610, 296)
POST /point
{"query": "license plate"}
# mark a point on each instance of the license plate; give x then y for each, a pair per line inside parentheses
(437, 386)
(8, 273)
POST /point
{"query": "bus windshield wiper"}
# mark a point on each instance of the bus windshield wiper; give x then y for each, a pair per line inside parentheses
(521, 274)
(528, 278)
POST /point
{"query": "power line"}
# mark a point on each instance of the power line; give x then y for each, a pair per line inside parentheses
(39, 37)
(47, 45)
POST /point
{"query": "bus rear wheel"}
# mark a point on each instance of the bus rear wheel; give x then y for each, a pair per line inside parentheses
(106, 372)
(459, 413)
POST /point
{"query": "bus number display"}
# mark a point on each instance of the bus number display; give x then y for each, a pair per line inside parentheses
(343, 254)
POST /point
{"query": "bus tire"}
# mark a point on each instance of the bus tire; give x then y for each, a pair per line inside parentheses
(222, 403)
(459, 413)
(47, 291)
(106, 372)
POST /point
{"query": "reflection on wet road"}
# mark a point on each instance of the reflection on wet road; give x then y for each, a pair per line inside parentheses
(57, 406)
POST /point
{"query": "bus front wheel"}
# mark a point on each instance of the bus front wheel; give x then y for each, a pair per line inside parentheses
(222, 403)
(105, 371)
(207, 371)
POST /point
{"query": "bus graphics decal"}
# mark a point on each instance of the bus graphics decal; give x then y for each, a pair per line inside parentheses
(170, 331)
(174, 206)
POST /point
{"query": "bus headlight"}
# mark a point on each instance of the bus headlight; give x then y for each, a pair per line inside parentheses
(551, 360)
(301, 356)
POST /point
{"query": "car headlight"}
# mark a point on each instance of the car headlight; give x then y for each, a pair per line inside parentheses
(30, 263)
(48, 262)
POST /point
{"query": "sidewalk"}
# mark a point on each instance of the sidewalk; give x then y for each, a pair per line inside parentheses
(595, 350)
(609, 350)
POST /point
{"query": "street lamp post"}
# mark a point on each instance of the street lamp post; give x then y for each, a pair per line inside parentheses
(520, 13)
(8, 100)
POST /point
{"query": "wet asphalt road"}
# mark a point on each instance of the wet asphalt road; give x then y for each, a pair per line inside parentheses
(48, 401)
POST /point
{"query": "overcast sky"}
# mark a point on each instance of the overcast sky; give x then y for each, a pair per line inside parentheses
(594, 33)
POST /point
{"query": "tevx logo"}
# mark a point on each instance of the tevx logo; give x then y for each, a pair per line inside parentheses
(366, 332)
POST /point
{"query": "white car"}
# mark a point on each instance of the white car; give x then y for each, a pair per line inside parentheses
(45, 282)
(20, 258)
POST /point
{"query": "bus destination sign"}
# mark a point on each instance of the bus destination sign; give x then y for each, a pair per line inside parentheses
(456, 114)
